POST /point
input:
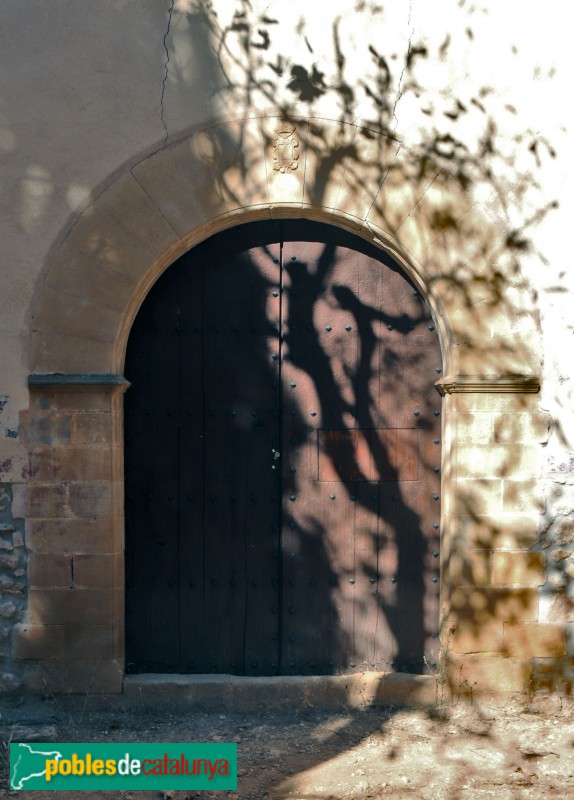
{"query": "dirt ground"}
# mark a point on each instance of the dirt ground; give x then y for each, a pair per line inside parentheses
(456, 753)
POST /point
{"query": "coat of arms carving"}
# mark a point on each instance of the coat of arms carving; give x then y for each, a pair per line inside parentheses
(285, 144)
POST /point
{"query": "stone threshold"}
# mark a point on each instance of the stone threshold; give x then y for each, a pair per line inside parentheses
(234, 693)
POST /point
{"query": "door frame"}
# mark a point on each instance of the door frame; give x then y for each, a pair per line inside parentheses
(141, 222)
(204, 273)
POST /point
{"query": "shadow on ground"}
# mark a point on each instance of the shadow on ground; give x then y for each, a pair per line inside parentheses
(456, 752)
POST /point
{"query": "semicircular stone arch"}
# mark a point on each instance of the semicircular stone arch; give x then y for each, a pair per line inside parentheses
(421, 212)
(226, 174)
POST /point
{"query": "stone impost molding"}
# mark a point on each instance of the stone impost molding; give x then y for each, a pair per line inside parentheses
(77, 381)
(488, 384)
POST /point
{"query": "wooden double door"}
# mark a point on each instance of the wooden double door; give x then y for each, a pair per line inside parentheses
(282, 449)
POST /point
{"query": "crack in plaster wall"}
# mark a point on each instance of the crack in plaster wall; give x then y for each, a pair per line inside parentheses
(166, 68)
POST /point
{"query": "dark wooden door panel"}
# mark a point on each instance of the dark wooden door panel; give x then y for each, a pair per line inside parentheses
(240, 390)
(282, 457)
(152, 615)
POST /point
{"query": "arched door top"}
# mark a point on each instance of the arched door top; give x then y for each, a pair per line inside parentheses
(96, 279)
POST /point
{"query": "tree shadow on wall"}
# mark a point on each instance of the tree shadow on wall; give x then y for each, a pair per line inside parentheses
(465, 206)
(430, 191)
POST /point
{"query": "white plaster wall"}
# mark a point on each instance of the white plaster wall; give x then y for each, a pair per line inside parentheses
(81, 97)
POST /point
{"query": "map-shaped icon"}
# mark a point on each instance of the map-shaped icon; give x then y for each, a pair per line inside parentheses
(28, 763)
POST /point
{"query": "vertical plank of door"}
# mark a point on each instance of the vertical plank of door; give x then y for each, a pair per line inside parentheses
(368, 625)
(263, 471)
(151, 483)
(191, 457)
(241, 428)
(305, 569)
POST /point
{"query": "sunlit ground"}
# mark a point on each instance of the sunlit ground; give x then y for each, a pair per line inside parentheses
(456, 752)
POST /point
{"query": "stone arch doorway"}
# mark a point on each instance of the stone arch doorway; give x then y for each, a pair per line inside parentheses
(282, 459)
(100, 271)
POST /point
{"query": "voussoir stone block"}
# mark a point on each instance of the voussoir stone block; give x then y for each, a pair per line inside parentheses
(126, 202)
(330, 149)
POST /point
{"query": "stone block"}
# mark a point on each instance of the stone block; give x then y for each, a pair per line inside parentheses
(198, 692)
(17, 539)
(91, 500)
(479, 606)
(77, 676)
(10, 684)
(77, 316)
(70, 606)
(47, 500)
(79, 399)
(396, 203)
(92, 428)
(561, 608)
(520, 427)
(468, 637)
(442, 204)
(488, 319)
(521, 496)
(497, 461)
(478, 497)
(130, 207)
(458, 282)
(527, 640)
(366, 172)
(37, 642)
(7, 609)
(180, 185)
(49, 429)
(562, 530)
(240, 168)
(243, 693)
(50, 571)
(518, 569)
(475, 674)
(409, 690)
(78, 274)
(9, 561)
(9, 584)
(503, 531)
(330, 148)
(50, 464)
(107, 641)
(513, 353)
(475, 322)
(469, 568)
(550, 675)
(473, 428)
(53, 351)
(507, 403)
(71, 536)
(100, 236)
(19, 500)
(274, 693)
(97, 571)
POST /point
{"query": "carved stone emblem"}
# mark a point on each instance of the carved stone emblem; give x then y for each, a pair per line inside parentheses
(285, 146)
